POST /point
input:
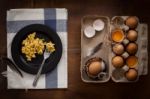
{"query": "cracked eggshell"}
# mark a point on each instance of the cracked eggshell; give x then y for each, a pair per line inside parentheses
(98, 25)
(89, 31)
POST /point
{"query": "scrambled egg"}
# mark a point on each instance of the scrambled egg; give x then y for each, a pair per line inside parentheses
(32, 46)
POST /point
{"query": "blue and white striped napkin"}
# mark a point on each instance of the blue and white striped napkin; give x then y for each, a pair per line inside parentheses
(57, 20)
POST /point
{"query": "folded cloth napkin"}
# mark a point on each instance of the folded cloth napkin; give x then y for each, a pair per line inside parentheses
(56, 18)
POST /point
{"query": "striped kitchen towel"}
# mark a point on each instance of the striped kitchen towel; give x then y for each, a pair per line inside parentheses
(55, 18)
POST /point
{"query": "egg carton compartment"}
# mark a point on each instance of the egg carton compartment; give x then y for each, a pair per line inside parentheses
(120, 76)
(96, 46)
(115, 23)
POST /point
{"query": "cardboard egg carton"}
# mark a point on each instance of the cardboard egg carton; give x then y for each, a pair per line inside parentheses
(104, 52)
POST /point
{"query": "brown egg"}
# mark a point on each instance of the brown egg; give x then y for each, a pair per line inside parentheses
(118, 49)
(132, 22)
(132, 61)
(132, 48)
(131, 74)
(95, 68)
(132, 35)
(117, 61)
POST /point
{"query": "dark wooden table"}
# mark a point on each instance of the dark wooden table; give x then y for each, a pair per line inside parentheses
(76, 88)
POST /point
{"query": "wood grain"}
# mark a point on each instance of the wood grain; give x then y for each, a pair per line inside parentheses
(76, 88)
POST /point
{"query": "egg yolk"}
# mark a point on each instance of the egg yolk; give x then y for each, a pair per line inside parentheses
(117, 36)
(132, 61)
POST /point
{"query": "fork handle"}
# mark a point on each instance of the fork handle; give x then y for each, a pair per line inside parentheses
(38, 74)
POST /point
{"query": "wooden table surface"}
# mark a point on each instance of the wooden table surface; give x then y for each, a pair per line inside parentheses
(76, 88)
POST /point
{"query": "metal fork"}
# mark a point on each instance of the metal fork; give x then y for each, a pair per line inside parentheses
(46, 55)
